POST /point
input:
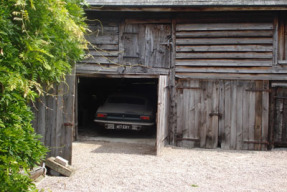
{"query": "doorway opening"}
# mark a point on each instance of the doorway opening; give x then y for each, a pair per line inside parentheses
(92, 92)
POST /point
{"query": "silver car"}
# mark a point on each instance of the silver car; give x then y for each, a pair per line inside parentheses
(125, 111)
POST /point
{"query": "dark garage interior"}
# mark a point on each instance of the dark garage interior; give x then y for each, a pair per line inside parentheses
(92, 93)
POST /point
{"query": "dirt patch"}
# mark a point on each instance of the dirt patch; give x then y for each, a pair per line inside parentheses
(113, 166)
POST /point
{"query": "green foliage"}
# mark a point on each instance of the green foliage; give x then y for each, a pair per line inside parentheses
(39, 42)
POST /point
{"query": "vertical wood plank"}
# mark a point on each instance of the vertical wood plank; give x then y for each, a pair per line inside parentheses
(245, 114)
(212, 120)
(186, 113)
(227, 123)
(284, 124)
(179, 115)
(265, 114)
(233, 115)
(197, 115)
(203, 119)
(68, 114)
(258, 115)
(221, 122)
(173, 91)
(251, 123)
(121, 43)
(281, 38)
(239, 116)
(162, 118)
(275, 41)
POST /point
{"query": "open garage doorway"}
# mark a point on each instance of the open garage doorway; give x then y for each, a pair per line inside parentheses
(93, 92)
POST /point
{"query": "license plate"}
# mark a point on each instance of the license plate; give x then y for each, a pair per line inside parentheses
(123, 127)
(117, 126)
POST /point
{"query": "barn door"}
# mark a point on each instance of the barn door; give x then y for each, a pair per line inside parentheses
(244, 106)
(54, 118)
(146, 45)
(279, 113)
(162, 113)
(197, 113)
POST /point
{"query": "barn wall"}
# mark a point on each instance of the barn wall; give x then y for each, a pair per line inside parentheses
(231, 114)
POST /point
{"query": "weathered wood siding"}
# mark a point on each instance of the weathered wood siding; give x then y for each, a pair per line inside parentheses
(104, 43)
(118, 46)
(147, 45)
(229, 113)
(224, 45)
(54, 119)
(279, 116)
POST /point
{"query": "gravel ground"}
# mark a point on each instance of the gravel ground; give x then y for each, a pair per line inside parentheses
(116, 166)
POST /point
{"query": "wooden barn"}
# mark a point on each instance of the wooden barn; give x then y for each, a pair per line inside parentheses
(216, 69)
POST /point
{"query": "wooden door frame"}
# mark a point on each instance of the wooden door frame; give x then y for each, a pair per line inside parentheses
(160, 142)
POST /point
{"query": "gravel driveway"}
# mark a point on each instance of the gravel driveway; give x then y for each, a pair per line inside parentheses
(116, 166)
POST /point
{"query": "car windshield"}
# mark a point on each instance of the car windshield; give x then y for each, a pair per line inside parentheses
(127, 100)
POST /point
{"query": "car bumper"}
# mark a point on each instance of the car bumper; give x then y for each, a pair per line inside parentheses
(124, 122)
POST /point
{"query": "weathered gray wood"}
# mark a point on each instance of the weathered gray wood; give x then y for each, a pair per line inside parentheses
(104, 47)
(227, 62)
(238, 33)
(240, 86)
(213, 127)
(203, 119)
(225, 48)
(103, 53)
(224, 41)
(281, 38)
(209, 76)
(275, 41)
(103, 39)
(189, 9)
(233, 111)
(198, 113)
(187, 3)
(221, 110)
(245, 115)
(226, 140)
(179, 115)
(162, 114)
(200, 55)
(224, 26)
(252, 115)
(258, 116)
(66, 171)
(101, 60)
(173, 102)
(238, 70)
(68, 116)
(265, 114)
(157, 39)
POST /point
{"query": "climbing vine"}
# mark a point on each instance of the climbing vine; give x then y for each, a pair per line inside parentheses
(39, 42)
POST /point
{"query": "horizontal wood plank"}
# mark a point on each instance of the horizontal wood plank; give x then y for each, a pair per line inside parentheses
(224, 26)
(225, 48)
(247, 55)
(103, 53)
(224, 76)
(223, 41)
(104, 39)
(266, 33)
(205, 62)
(253, 70)
(101, 59)
(106, 47)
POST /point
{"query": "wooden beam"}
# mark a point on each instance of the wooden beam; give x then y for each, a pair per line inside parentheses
(185, 9)
(224, 26)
